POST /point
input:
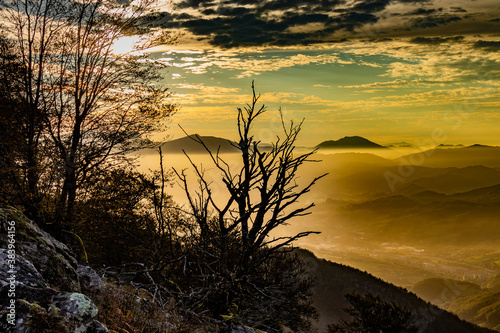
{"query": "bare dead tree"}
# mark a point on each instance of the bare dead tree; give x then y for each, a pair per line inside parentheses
(262, 195)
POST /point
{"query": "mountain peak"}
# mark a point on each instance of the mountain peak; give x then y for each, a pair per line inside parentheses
(349, 142)
(191, 145)
(477, 145)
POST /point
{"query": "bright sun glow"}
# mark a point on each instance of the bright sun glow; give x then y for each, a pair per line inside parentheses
(127, 44)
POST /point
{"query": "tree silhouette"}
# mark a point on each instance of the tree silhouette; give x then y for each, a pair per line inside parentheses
(263, 193)
(241, 270)
(88, 104)
(11, 131)
(371, 314)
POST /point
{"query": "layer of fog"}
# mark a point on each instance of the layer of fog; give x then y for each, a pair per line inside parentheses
(400, 217)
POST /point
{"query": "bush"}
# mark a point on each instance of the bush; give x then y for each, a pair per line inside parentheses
(371, 314)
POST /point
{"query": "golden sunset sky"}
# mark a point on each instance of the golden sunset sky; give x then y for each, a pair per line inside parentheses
(387, 70)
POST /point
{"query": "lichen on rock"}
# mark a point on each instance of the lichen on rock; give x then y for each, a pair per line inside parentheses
(77, 305)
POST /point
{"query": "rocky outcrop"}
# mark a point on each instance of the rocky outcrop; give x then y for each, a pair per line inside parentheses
(41, 282)
(44, 289)
(90, 282)
(52, 259)
(242, 329)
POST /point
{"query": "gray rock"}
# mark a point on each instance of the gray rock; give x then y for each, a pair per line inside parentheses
(97, 327)
(66, 312)
(25, 272)
(51, 258)
(44, 280)
(90, 282)
(243, 329)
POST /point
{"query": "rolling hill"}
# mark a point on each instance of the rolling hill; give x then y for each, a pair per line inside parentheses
(441, 291)
(365, 179)
(483, 309)
(425, 218)
(488, 156)
(482, 195)
(452, 179)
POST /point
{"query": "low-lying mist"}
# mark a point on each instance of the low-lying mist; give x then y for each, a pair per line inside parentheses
(400, 217)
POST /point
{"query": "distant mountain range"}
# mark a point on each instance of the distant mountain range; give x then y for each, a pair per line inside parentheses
(443, 155)
(445, 203)
(190, 145)
(349, 142)
(460, 219)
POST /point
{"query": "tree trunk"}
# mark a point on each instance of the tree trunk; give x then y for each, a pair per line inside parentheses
(32, 168)
(68, 194)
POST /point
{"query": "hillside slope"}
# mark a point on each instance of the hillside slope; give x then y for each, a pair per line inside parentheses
(334, 281)
(456, 157)
(483, 309)
(467, 300)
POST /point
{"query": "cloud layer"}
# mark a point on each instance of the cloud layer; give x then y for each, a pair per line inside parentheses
(237, 23)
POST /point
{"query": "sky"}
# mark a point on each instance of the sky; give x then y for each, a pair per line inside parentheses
(413, 71)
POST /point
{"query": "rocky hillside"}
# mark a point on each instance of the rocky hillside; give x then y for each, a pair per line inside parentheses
(41, 282)
(468, 300)
(43, 288)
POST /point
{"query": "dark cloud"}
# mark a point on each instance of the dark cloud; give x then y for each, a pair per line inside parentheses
(352, 20)
(209, 11)
(163, 19)
(413, 1)
(195, 3)
(371, 6)
(436, 40)
(487, 45)
(432, 21)
(232, 11)
(458, 10)
(233, 23)
(184, 16)
(270, 5)
(246, 30)
(292, 18)
(283, 4)
(423, 11)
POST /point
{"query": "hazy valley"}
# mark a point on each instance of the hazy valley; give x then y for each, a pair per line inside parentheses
(424, 214)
